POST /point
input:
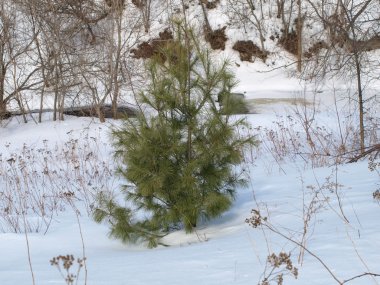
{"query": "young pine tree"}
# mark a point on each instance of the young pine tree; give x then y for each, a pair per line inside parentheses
(180, 153)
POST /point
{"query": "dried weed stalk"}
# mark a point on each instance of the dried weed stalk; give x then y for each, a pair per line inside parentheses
(258, 221)
(374, 165)
(36, 181)
(65, 263)
(300, 134)
(280, 265)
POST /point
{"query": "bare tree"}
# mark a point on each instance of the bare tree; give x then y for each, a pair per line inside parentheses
(251, 13)
(352, 30)
(145, 8)
(299, 35)
(17, 72)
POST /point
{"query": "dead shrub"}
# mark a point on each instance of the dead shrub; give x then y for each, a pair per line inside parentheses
(376, 195)
(138, 3)
(120, 4)
(106, 110)
(247, 49)
(143, 50)
(211, 4)
(149, 48)
(216, 38)
(289, 42)
(315, 49)
(5, 115)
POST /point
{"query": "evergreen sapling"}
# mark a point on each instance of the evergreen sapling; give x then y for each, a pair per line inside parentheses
(181, 153)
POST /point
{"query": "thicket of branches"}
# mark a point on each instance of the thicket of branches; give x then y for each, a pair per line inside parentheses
(66, 53)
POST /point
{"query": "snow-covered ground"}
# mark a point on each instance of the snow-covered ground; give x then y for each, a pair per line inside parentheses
(343, 221)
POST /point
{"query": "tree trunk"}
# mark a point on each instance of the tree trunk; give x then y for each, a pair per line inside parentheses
(62, 106)
(361, 102)
(100, 113)
(356, 54)
(55, 104)
(115, 74)
(280, 8)
(21, 107)
(299, 37)
(3, 107)
(41, 104)
(56, 89)
(114, 100)
(146, 15)
(207, 23)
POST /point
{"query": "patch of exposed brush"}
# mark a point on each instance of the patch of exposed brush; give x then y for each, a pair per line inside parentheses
(315, 49)
(289, 41)
(210, 4)
(247, 50)
(120, 4)
(138, 3)
(216, 38)
(149, 48)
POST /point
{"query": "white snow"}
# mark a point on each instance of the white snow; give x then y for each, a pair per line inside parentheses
(223, 251)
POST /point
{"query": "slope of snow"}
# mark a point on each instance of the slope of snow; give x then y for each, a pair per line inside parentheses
(223, 251)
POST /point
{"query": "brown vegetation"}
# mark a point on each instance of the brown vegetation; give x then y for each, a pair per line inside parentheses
(364, 45)
(289, 41)
(119, 4)
(90, 111)
(247, 49)
(315, 49)
(5, 115)
(216, 38)
(149, 48)
(138, 3)
(339, 35)
(210, 4)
